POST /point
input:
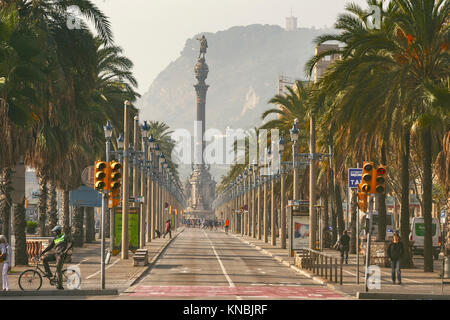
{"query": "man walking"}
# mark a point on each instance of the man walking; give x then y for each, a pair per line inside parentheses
(344, 242)
(395, 253)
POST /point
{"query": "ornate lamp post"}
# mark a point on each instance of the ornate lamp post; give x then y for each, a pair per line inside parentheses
(161, 191)
(282, 195)
(108, 134)
(143, 169)
(255, 207)
(294, 138)
(150, 191)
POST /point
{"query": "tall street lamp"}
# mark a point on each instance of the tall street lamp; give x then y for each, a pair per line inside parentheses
(254, 195)
(108, 133)
(125, 187)
(282, 195)
(144, 147)
(294, 138)
(108, 129)
(150, 190)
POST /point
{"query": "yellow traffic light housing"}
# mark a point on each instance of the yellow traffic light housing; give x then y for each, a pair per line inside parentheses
(114, 175)
(367, 183)
(362, 199)
(380, 180)
(114, 198)
(101, 176)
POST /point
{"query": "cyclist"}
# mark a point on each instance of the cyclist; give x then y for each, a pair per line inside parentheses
(62, 245)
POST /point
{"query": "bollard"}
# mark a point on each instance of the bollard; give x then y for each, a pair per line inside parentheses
(309, 261)
(326, 267)
(321, 265)
(335, 270)
(315, 263)
(331, 269)
(341, 273)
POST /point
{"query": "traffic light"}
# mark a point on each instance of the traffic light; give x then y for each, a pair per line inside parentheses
(101, 176)
(362, 199)
(367, 183)
(381, 179)
(114, 176)
(114, 198)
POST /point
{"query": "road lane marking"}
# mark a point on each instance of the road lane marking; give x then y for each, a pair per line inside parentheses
(85, 259)
(220, 263)
(96, 273)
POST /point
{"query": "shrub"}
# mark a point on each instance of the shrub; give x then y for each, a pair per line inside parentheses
(31, 227)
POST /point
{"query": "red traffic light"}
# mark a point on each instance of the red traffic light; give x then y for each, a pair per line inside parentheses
(381, 171)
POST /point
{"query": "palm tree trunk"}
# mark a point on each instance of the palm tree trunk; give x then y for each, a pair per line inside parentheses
(65, 212)
(427, 199)
(52, 205)
(404, 213)
(42, 203)
(90, 224)
(5, 201)
(21, 257)
(78, 232)
(334, 233)
(325, 218)
(339, 209)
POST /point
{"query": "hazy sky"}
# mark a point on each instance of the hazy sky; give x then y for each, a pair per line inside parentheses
(153, 32)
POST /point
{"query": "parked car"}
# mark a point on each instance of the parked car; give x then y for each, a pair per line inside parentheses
(418, 235)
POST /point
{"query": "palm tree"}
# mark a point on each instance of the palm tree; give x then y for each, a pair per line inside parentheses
(20, 71)
(408, 51)
(52, 205)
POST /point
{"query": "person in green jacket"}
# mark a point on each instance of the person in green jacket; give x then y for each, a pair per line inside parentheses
(61, 244)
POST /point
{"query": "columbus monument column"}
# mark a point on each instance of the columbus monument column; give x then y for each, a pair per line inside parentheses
(200, 186)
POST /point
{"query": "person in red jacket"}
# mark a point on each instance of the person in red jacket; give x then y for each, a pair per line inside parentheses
(227, 224)
(168, 229)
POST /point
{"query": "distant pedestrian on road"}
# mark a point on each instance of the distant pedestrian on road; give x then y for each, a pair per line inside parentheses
(344, 244)
(168, 229)
(395, 253)
(5, 256)
(227, 224)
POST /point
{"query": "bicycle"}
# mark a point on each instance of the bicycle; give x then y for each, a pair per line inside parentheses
(31, 279)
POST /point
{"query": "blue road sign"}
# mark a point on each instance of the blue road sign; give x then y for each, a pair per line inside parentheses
(354, 177)
(85, 197)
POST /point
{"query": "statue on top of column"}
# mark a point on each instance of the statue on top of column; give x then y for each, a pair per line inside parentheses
(203, 46)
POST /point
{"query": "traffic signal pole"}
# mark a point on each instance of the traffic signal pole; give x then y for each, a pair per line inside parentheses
(111, 216)
(369, 236)
(102, 255)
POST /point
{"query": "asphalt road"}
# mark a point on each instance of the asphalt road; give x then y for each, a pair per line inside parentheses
(211, 265)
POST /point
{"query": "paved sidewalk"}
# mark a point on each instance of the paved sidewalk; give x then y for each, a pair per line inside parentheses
(119, 274)
(416, 284)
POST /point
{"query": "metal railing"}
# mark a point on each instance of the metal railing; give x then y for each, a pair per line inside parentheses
(323, 265)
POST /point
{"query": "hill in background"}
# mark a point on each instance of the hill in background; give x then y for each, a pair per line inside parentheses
(244, 65)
